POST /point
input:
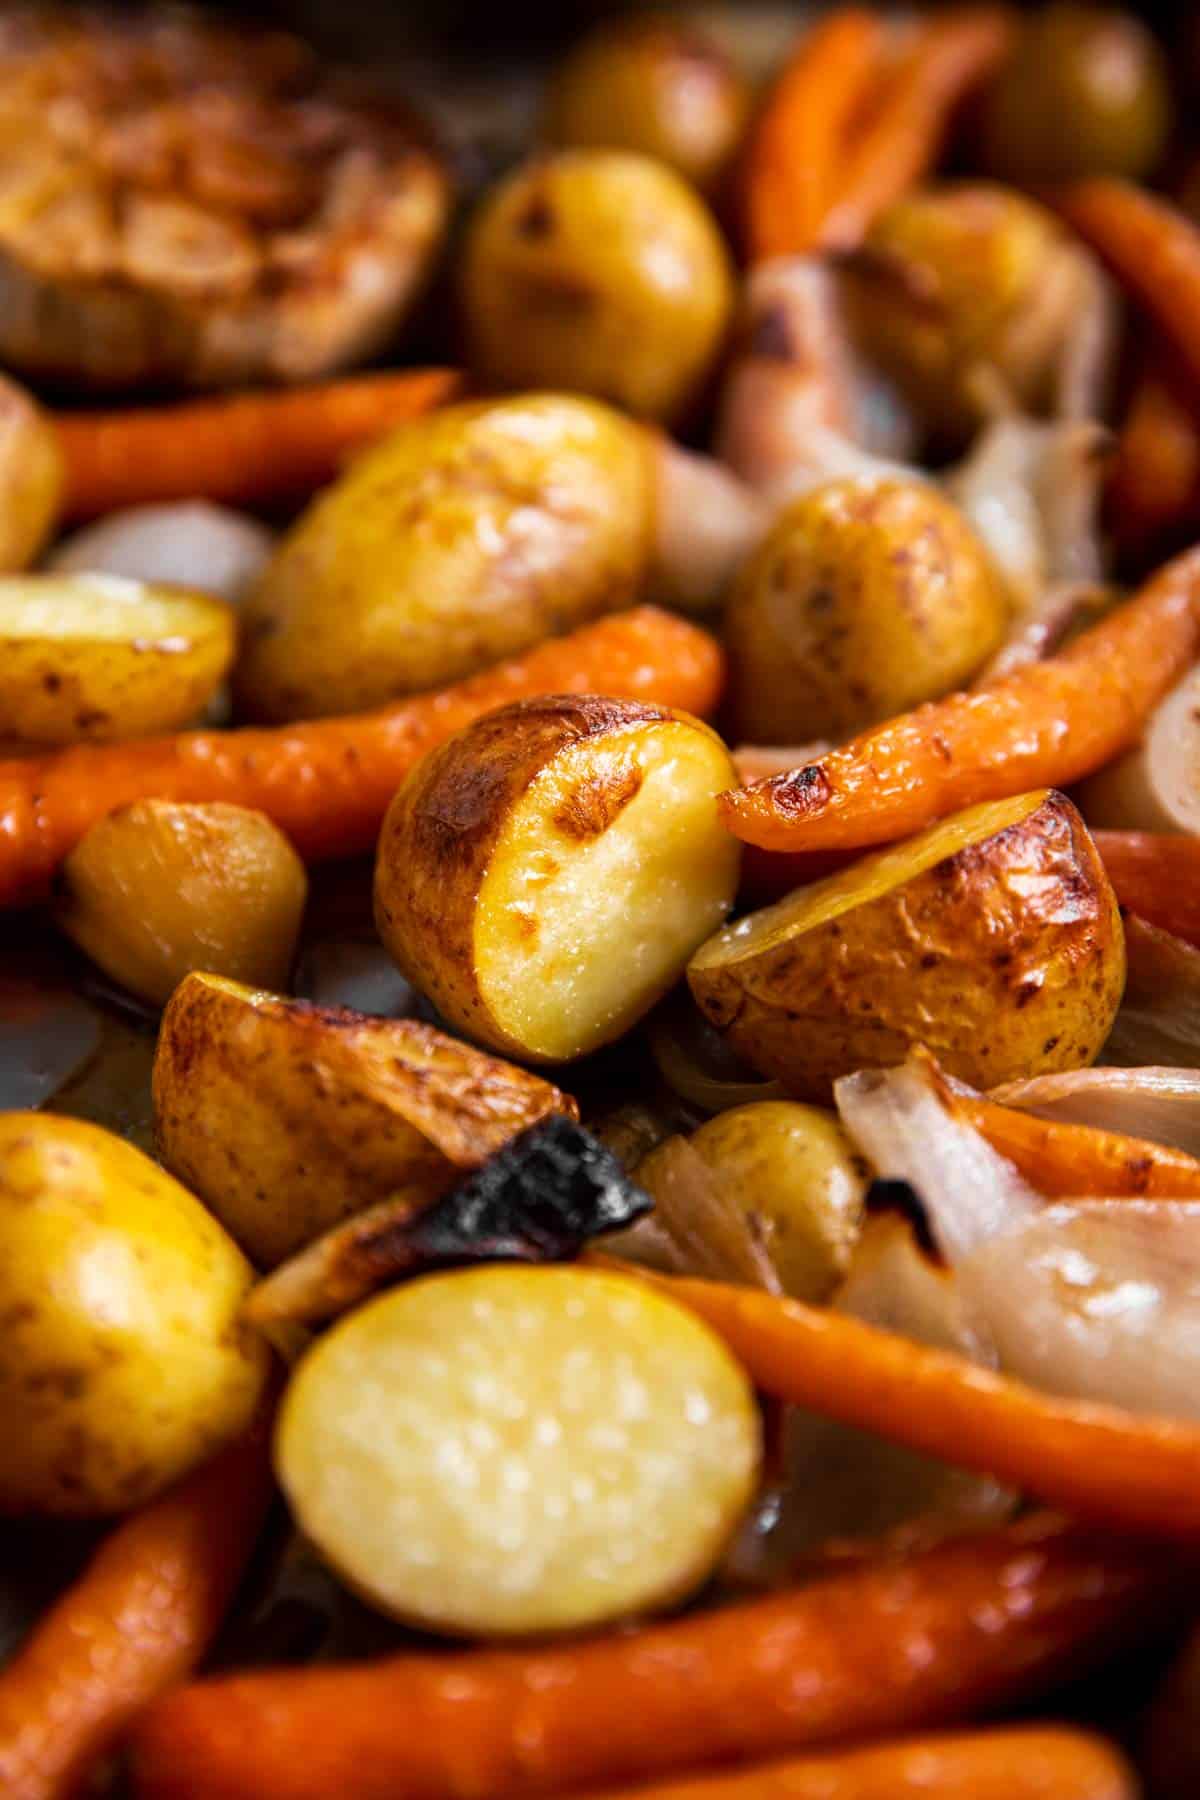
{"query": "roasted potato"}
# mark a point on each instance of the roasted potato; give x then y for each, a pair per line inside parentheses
(993, 938)
(161, 888)
(93, 658)
(287, 1117)
(546, 874)
(507, 1451)
(657, 85)
(122, 1361)
(865, 598)
(464, 537)
(31, 477)
(190, 203)
(598, 271)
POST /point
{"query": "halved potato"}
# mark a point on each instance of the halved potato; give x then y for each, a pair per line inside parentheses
(94, 658)
(993, 938)
(161, 888)
(287, 1117)
(31, 476)
(546, 874)
(512, 1451)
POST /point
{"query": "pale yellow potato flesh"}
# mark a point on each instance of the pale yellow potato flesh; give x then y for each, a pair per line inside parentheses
(123, 1360)
(31, 476)
(994, 938)
(96, 658)
(505, 1452)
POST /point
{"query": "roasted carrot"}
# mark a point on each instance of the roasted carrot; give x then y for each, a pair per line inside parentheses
(1044, 726)
(1028, 1762)
(794, 149)
(1139, 1472)
(1154, 251)
(247, 449)
(1154, 483)
(1064, 1159)
(139, 1618)
(327, 783)
(1156, 876)
(954, 53)
(902, 1643)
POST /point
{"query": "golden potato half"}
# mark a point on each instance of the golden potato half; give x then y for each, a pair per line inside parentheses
(994, 938)
(545, 875)
(96, 658)
(31, 477)
(287, 1117)
(190, 203)
(462, 538)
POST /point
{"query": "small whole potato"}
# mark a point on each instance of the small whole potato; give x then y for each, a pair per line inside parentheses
(993, 938)
(657, 85)
(544, 876)
(506, 1452)
(865, 598)
(31, 477)
(598, 271)
(122, 1360)
(161, 888)
(462, 538)
(92, 658)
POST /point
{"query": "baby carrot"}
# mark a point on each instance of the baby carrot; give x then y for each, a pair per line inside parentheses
(1025, 1762)
(1154, 484)
(328, 782)
(1058, 1158)
(954, 53)
(140, 1617)
(902, 1643)
(795, 147)
(1156, 876)
(245, 449)
(1044, 726)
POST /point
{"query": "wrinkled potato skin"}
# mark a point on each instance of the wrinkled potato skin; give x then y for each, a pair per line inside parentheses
(463, 538)
(122, 1360)
(864, 599)
(601, 272)
(31, 478)
(161, 888)
(287, 1117)
(658, 86)
(795, 1174)
(1006, 959)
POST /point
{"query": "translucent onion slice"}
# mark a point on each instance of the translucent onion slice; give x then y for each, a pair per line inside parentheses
(1159, 1019)
(190, 544)
(1155, 787)
(707, 523)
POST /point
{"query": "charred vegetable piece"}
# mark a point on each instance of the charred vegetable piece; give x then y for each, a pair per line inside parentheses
(540, 1198)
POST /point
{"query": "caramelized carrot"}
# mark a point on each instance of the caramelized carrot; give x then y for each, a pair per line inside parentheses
(898, 1644)
(954, 53)
(1059, 1158)
(327, 782)
(794, 149)
(1044, 726)
(1154, 484)
(246, 449)
(1027, 1762)
(139, 1618)
(1157, 877)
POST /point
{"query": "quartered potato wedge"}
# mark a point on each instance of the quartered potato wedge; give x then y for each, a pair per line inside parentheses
(93, 658)
(993, 938)
(545, 876)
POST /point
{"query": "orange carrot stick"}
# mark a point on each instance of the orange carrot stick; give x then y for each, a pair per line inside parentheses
(1157, 877)
(902, 1643)
(140, 1617)
(792, 156)
(1059, 1158)
(246, 449)
(953, 55)
(1154, 483)
(1153, 249)
(327, 782)
(1139, 1472)
(1025, 1762)
(1044, 726)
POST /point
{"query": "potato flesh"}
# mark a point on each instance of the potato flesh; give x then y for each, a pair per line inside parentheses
(581, 923)
(515, 1451)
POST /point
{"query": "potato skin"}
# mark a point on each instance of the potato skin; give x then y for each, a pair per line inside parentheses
(1006, 958)
(598, 271)
(31, 477)
(865, 598)
(287, 1117)
(122, 1361)
(462, 538)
